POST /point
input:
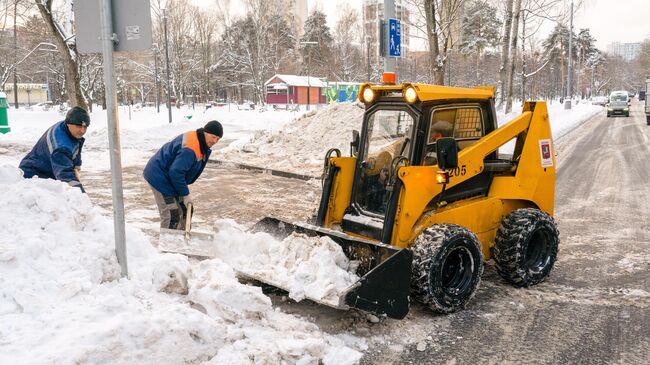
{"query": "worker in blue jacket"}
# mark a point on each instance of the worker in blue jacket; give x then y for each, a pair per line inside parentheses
(57, 154)
(176, 165)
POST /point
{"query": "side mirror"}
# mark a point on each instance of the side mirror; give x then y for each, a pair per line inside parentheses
(354, 145)
(447, 153)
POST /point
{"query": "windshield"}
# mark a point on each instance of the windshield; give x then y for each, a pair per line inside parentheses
(388, 137)
(618, 97)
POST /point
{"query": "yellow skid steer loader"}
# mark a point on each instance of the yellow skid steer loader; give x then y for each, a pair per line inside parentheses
(424, 198)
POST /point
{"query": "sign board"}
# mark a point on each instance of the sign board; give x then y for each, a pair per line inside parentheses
(394, 38)
(131, 23)
(545, 152)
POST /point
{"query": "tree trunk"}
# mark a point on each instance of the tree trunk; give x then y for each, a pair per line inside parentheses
(71, 71)
(523, 58)
(504, 52)
(513, 57)
(437, 59)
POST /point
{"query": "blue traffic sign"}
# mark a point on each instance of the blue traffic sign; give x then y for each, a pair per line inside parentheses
(394, 38)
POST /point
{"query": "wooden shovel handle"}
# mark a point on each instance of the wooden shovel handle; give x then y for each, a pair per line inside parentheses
(188, 219)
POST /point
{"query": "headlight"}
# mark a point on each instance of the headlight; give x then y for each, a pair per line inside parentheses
(368, 95)
(410, 95)
(626, 109)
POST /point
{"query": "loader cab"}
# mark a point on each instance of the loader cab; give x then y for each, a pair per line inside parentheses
(397, 133)
(387, 140)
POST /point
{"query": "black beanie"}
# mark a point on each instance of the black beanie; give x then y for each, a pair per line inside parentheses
(214, 127)
(77, 116)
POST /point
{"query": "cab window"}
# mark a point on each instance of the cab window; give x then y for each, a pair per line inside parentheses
(465, 124)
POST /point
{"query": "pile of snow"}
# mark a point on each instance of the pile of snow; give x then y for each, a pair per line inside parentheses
(62, 300)
(300, 146)
(307, 267)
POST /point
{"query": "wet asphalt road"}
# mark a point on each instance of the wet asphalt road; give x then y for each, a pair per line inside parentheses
(594, 309)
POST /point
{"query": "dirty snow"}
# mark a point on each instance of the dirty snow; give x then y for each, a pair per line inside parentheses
(62, 300)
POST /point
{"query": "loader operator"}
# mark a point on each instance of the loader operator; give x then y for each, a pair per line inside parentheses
(57, 154)
(176, 165)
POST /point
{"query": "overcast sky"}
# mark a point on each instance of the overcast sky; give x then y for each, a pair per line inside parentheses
(608, 20)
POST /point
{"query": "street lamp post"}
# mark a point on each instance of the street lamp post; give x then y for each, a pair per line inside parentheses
(306, 43)
(157, 83)
(169, 103)
(569, 91)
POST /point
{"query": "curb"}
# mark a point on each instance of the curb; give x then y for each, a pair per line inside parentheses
(264, 170)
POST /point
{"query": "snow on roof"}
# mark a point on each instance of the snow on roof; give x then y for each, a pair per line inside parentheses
(295, 80)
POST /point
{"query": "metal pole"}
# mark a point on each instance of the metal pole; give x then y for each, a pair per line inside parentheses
(169, 90)
(15, 58)
(569, 92)
(368, 57)
(108, 38)
(155, 62)
(591, 85)
(390, 63)
(308, 80)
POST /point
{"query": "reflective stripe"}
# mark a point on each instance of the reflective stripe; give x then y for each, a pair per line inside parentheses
(74, 183)
(191, 141)
(52, 143)
(75, 152)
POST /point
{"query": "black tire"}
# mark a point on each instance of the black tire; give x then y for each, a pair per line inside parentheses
(607, 115)
(647, 119)
(526, 247)
(447, 267)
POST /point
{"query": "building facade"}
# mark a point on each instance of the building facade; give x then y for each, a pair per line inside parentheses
(628, 51)
(295, 90)
(28, 94)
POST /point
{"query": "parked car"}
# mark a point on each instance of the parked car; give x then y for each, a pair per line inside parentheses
(619, 103)
(44, 106)
(599, 100)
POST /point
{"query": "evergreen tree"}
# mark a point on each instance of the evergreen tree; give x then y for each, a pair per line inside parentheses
(317, 57)
(480, 30)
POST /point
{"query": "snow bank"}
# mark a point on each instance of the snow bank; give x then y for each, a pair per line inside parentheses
(62, 300)
(307, 267)
(301, 145)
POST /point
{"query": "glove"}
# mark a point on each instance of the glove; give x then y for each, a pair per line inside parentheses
(187, 199)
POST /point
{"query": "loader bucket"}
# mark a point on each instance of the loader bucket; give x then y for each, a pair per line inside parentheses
(384, 271)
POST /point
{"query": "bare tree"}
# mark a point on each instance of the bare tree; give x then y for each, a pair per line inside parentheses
(441, 16)
(505, 52)
(68, 53)
(348, 56)
(514, 36)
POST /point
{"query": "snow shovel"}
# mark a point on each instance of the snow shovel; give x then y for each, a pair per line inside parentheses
(187, 242)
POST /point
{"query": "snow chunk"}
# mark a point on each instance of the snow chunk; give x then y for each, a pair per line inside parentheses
(307, 267)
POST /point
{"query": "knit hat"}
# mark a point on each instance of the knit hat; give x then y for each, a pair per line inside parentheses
(77, 116)
(214, 127)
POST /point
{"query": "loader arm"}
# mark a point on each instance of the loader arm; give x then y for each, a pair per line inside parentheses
(527, 181)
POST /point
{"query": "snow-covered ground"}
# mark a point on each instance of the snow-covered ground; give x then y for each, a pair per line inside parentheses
(62, 300)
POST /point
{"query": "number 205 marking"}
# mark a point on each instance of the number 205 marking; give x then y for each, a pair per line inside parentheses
(458, 171)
